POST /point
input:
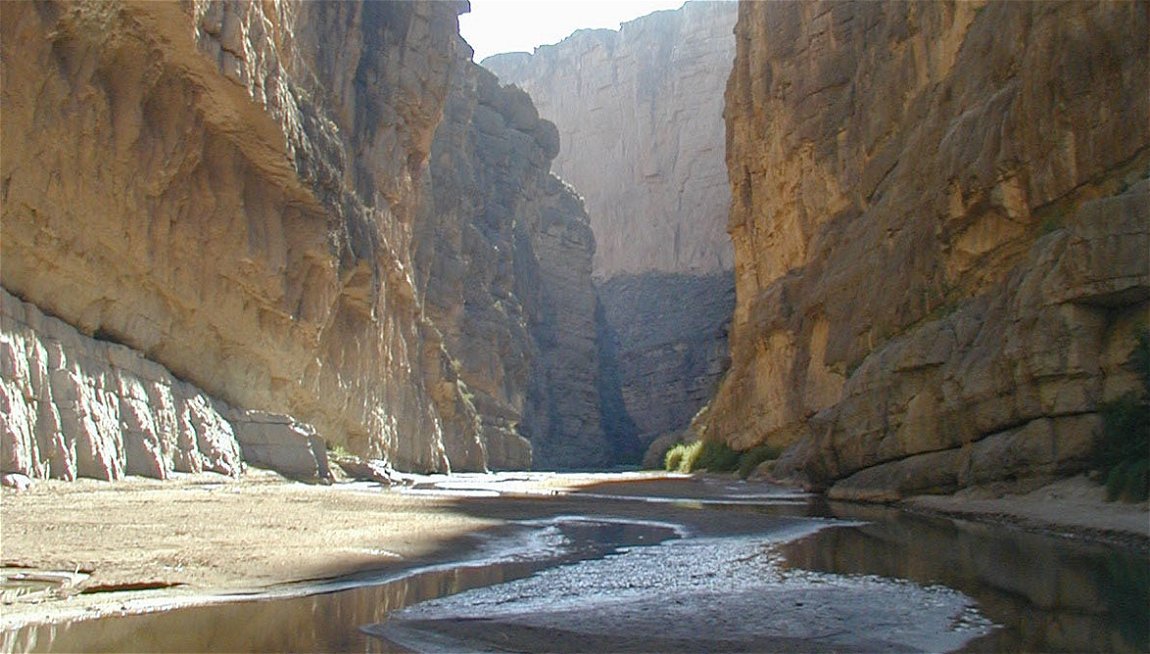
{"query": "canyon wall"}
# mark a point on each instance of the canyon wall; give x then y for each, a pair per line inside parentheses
(360, 245)
(217, 187)
(941, 219)
(504, 261)
(74, 406)
(639, 113)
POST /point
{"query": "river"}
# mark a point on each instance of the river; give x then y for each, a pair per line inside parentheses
(687, 565)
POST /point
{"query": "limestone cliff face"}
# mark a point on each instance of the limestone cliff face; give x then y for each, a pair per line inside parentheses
(504, 261)
(74, 406)
(639, 113)
(940, 214)
(77, 407)
(219, 187)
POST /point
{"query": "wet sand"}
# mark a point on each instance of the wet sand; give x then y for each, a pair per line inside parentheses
(176, 542)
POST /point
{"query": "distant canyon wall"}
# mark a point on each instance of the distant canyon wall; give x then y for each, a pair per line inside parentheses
(639, 112)
(504, 259)
(219, 190)
(941, 220)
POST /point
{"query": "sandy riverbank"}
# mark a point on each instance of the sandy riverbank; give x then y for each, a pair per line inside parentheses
(197, 535)
(1074, 507)
(206, 533)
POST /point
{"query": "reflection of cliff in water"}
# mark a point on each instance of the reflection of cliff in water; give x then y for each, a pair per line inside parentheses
(1050, 594)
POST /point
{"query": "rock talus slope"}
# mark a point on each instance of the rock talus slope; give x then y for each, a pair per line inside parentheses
(639, 113)
(941, 238)
(504, 261)
(215, 186)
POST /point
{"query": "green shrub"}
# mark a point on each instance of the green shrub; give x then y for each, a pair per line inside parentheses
(1123, 456)
(714, 456)
(751, 459)
(674, 458)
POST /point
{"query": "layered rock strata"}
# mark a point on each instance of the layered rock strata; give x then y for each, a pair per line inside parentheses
(215, 186)
(504, 261)
(941, 238)
(639, 112)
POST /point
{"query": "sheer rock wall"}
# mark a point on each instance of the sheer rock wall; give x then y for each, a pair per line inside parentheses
(941, 238)
(504, 259)
(250, 216)
(73, 407)
(639, 113)
(216, 186)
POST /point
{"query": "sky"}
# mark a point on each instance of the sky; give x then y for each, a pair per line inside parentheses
(495, 26)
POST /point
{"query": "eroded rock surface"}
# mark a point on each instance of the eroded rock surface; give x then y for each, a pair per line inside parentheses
(941, 238)
(72, 406)
(504, 257)
(223, 188)
(639, 113)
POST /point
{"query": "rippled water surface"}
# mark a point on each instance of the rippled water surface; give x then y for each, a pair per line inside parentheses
(696, 566)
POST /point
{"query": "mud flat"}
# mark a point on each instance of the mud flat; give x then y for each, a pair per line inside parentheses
(90, 547)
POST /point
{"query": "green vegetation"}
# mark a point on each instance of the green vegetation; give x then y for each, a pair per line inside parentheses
(716, 456)
(1123, 457)
(337, 450)
(756, 455)
(673, 460)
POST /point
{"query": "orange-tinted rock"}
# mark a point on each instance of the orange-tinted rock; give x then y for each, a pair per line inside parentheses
(941, 222)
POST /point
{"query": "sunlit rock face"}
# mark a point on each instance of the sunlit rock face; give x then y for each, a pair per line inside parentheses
(940, 215)
(74, 406)
(639, 113)
(229, 188)
(504, 261)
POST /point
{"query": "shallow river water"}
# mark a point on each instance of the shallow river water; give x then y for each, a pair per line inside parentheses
(691, 565)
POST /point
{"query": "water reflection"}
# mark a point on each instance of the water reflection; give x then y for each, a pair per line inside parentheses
(1050, 594)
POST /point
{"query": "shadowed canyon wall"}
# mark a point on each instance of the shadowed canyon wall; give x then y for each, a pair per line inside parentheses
(639, 113)
(240, 211)
(504, 252)
(940, 214)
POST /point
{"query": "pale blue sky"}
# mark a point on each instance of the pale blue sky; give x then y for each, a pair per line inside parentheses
(495, 26)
